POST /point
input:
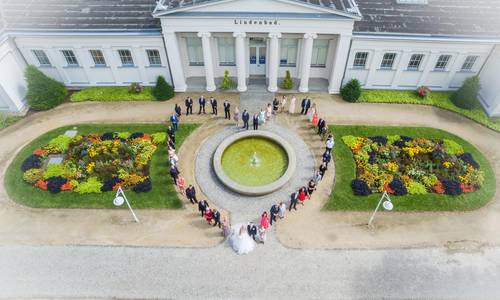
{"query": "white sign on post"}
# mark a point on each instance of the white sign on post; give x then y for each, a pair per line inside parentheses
(386, 204)
(120, 198)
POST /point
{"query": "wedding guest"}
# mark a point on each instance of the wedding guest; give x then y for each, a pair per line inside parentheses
(291, 108)
(321, 125)
(327, 157)
(171, 143)
(317, 177)
(174, 173)
(227, 110)
(245, 117)
(213, 103)
(294, 198)
(236, 116)
(330, 142)
(171, 133)
(305, 104)
(181, 184)
(255, 121)
(208, 215)
(269, 111)
(178, 110)
(322, 169)
(252, 230)
(216, 217)
(283, 103)
(302, 195)
(276, 105)
(173, 159)
(262, 117)
(262, 235)
(189, 106)
(202, 206)
(226, 227)
(264, 220)
(175, 121)
(275, 209)
(282, 210)
(191, 194)
(311, 187)
(315, 120)
(202, 101)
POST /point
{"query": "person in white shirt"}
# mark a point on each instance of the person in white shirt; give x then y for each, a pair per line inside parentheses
(329, 143)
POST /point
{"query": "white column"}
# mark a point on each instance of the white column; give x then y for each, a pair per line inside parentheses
(241, 61)
(207, 60)
(175, 61)
(305, 69)
(273, 61)
(339, 64)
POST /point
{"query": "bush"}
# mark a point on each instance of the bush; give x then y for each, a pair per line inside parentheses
(53, 170)
(452, 147)
(351, 91)
(360, 188)
(163, 90)
(227, 83)
(416, 188)
(158, 138)
(466, 96)
(33, 175)
(468, 159)
(92, 185)
(287, 83)
(452, 187)
(144, 186)
(398, 187)
(32, 162)
(59, 144)
(135, 88)
(54, 184)
(423, 92)
(43, 92)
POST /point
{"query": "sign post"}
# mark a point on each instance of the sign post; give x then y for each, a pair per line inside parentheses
(386, 204)
(120, 198)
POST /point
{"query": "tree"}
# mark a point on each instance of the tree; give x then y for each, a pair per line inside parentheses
(163, 90)
(227, 83)
(43, 92)
(466, 96)
(287, 82)
(351, 91)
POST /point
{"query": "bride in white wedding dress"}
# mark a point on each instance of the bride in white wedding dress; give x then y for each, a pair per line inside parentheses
(239, 239)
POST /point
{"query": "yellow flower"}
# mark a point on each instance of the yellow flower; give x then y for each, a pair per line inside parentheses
(447, 164)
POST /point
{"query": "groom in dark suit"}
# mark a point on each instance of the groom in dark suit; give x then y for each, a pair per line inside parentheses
(306, 104)
(252, 230)
(245, 117)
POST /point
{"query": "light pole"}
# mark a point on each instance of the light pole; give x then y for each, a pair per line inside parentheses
(386, 204)
(120, 198)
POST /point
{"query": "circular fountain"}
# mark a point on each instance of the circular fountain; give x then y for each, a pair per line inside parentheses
(254, 162)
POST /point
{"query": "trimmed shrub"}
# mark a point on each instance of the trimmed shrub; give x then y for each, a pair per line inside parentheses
(398, 187)
(43, 92)
(360, 188)
(31, 162)
(416, 188)
(466, 96)
(58, 144)
(452, 147)
(423, 91)
(33, 175)
(227, 83)
(468, 159)
(158, 138)
(144, 186)
(54, 184)
(351, 91)
(162, 90)
(53, 171)
(287, 83)
(452, 187)
(92, 185)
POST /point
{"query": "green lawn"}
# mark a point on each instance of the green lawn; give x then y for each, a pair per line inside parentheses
(438, 99)
(162, 195)
(6, 120)
(343, 198)
(115, 93)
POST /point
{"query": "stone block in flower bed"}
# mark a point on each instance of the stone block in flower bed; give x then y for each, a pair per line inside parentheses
(419, 165)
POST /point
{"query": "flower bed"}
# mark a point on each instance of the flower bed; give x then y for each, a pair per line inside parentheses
(403, 165)
(94, 163)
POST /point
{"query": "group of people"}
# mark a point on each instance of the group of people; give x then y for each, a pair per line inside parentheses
(202, 101)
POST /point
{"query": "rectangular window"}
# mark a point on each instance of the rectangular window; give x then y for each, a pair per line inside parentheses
(126, 57)
(98, 58)
(226, 51)
(288, 57)
(415, 61)
(195, 51)
(154, 57)
(360, 60)
(320, 51)
(70, 57)
(42, 58)
(442, 62)
(469, 62)
(388, 61)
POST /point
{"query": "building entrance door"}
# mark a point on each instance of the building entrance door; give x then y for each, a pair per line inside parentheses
(257, 60)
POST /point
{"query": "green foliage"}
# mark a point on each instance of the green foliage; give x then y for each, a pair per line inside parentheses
(287, 83)
(416, 188)
(452, 147)
(43, 92)
(92, 185)
(429, 181)
(158, 138)
(123, 135)
(54, 170)
(58, 145)
(351, 141)
(227, 83)
(115, 93)
(7, 119)
(438, 99)
(392, 138)
(163, 91)
(466, 96)
(351, 91)
(33, 175)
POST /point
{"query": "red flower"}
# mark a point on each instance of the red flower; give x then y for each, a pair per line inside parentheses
(66, 187)
(39, 152)
(116, 186)
(388, 189)
(439, 188)
(466, 188)
(41, 184)
(146, 137)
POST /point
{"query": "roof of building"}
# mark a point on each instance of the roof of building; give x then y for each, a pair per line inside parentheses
(438, 17)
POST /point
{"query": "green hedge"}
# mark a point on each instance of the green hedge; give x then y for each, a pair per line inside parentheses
(438, 99)
(115, 93)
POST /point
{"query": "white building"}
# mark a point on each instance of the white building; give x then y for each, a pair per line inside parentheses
(386, 44)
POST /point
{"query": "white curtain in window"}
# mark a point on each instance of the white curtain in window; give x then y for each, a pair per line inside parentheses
(320, 51)
(195, 50)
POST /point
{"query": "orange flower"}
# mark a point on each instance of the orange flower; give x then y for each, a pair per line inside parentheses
(41, 184)
(39, 152)
(66, 187)
(467, 188)
(439, 188)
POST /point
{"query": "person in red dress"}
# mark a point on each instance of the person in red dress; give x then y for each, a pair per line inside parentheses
(302, 195)
(208, 215)
(264, 220)
(181, 184)
(315, 120)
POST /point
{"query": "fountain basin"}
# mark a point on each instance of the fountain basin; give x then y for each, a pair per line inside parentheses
(254, 163)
